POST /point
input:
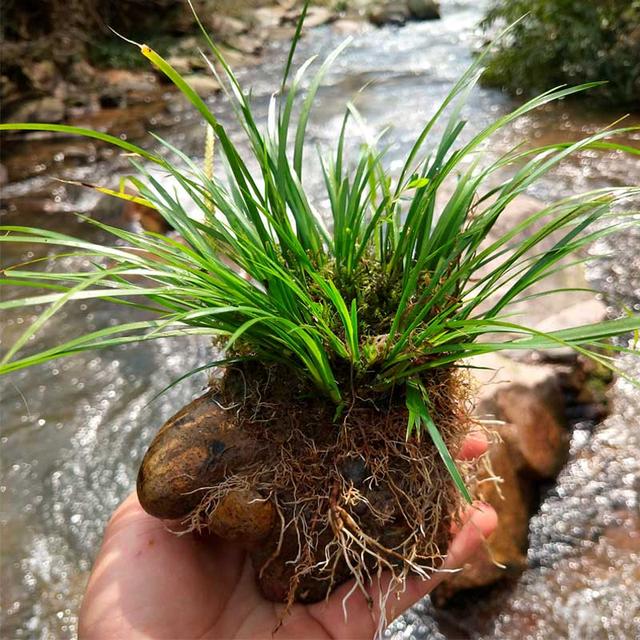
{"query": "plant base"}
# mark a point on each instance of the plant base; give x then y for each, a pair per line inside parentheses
(316, 501)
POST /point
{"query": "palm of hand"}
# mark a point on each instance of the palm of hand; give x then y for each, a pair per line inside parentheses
(149, 583)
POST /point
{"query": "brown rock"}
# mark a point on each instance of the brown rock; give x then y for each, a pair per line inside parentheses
(394, 13)
(533, 428)
(205, 85)
(43, 75)
(267, 17)
(424, 9)
(316, 16)
(145, 217)
(533, 446)
(225, 26)
(193, 450)
(49, 109)
(242, 516)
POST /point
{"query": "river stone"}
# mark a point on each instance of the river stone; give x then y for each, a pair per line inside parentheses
(424, 9)
(388, 13)
(48, 109)
(43, 76)
(268, 17)
(224, 26)
(205, 85)
(529, 402)
(195, 449)
(316, 16)
(243, 516)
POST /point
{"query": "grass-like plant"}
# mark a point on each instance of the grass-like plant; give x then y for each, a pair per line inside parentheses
(373, 303)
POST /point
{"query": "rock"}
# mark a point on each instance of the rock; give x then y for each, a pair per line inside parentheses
(193, 450)
(182, 64)
(43, 76)
(81, 72)
(533, 429)
(316, 16)
(145, 218)
(249, 44)
(118, 87)
(533, 443)
(47, 109)
(204, 85)
(589, 311)
(225, 26)
(243, 516)
(348, 26)
(268, 17)
(393, 13)
(424, 9)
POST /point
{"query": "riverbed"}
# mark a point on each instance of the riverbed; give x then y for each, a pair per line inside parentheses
(74, 431)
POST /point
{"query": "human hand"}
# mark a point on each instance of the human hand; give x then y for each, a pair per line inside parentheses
(149, 583)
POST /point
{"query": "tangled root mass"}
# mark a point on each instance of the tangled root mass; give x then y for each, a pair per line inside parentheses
(327, 499)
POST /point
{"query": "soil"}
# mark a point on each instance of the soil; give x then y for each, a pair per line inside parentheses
(316, 499)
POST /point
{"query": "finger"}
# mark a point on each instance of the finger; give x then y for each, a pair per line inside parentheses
(480, 521)
(474, 445)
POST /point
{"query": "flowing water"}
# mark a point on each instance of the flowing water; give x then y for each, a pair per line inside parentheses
(73, 432)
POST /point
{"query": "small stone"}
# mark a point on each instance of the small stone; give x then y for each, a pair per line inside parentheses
(48, 109)
(249, 44)
(316, 16)
(181, 64)
(225, 26)
(267, 17)
(203, 84)
(389, 13)
(242, 516)
(42, 75)
(424, 9)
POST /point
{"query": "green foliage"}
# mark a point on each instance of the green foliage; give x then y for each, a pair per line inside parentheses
(113, 53)
(568, 42)
(386, 293)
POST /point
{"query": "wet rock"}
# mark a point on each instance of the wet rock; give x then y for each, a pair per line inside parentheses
(205, 85)
(528, 403)
(193, 450)
(243, 516)
(181, 64)
(268, 17)
(225, 26)
(43, 76)
(388, 13)
(145, 218)
(120, 87)
(48, 109)
(534, 429)
(249, 44)
(424, 9)
(316, 16)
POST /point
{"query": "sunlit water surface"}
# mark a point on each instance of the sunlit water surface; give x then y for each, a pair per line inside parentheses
(74, 431)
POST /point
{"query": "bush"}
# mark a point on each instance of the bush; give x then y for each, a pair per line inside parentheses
(568, 42)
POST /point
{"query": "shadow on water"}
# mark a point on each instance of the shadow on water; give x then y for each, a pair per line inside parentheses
(73, 432)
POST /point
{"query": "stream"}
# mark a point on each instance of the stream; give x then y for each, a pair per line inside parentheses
(73, 432)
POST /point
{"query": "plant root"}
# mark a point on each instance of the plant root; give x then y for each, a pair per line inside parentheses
(324, 502)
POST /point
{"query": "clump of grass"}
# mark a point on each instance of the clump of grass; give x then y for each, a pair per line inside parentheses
(371, 295)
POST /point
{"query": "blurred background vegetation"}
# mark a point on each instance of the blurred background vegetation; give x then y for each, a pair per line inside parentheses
(52, 48)
(568, 42)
